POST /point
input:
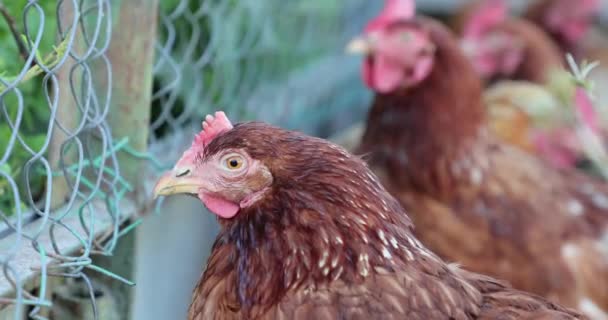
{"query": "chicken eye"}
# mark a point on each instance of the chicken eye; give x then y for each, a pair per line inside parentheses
(233, 162)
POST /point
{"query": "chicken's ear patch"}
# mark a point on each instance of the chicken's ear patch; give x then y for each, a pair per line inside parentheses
(212, 127)
(486, 16)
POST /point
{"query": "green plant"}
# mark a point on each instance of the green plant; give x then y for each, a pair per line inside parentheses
(14, 49)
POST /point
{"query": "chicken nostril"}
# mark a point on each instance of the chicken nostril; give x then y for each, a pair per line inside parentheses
(183, 173)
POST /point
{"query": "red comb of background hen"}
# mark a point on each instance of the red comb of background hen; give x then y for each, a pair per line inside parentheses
(212, 127)
(488, 14)
(393, 10)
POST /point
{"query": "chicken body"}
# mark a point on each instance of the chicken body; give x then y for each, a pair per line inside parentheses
(325, 240)
(477, 201)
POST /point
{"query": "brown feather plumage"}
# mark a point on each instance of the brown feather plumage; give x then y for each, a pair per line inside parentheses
(329, 242)
(476, 201)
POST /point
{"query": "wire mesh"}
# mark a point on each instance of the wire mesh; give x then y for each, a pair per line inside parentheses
(277, 61)
(273, 60)
(57, 156)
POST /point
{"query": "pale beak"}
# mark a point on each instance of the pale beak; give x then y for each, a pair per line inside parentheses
(172, 183)
(360, 45)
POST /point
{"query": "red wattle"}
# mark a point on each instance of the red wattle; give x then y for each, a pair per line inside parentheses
(382, 75)
(223, 208)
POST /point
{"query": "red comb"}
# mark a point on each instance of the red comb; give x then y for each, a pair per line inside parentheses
(212, 127)
(394, 10)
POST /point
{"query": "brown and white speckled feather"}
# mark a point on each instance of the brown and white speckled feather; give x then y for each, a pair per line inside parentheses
(329, 242)
(475, 201)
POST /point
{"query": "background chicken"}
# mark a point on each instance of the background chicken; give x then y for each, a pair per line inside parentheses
(529, 98)
(534, 110)
(505, 47)
(474, 199)
(304, 238)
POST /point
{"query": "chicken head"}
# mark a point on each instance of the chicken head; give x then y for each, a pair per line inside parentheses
(225, 180)
(491, 50)
(398, 52)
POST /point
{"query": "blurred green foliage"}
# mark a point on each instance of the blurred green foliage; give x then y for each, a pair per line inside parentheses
(35, 117)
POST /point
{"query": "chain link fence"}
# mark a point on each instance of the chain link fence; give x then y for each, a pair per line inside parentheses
(65, 192)
(57, 154)
(280, 61)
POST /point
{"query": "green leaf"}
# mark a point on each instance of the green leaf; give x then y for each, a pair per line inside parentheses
(5, 168)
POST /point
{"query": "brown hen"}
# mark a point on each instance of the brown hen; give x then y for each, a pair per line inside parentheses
(474, 200)
(505, 47)
(308, 232)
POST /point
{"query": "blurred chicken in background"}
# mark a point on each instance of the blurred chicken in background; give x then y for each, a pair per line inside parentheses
(474, 199)
(530, 94)
(506, 47)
